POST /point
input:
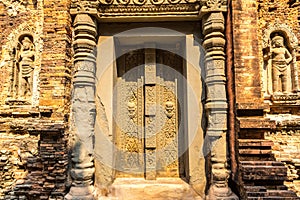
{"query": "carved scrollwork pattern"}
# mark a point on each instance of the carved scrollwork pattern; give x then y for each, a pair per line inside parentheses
(139, 2)
(143, 2)
(167, 136)
(157, 2)
(129, 122)
(124, 2)
(106, 2)
(86, 6)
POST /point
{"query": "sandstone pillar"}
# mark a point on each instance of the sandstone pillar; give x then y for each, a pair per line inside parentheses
(213, 25)
(83, 108)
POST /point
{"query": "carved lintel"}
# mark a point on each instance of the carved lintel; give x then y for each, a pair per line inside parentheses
(117, 9)
(83, 108)
(213, 26)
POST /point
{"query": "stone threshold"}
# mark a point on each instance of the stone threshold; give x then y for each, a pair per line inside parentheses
(159, 189)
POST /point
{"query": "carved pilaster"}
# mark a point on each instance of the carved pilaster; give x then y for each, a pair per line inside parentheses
(216, 104)
(83, 108)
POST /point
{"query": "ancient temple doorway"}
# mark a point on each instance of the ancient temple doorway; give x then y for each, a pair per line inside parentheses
(149, 94)
(149, 132)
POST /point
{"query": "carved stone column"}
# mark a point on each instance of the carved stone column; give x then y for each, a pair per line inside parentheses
(213, 25)
(83, 108)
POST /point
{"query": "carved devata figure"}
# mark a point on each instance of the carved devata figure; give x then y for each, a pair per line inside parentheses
(25, 64)
(280, 58)
(281, 76)
(23, 56)
(23, 68)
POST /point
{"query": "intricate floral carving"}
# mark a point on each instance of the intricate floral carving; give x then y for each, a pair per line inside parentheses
(129, 116)
(84, 6)
(213, 3)
(141, 2)
(111, 8)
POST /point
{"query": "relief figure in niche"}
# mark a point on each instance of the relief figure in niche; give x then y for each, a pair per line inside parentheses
(279, 63)
(25, 67)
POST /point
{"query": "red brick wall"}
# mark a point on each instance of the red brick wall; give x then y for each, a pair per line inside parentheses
(246, 52)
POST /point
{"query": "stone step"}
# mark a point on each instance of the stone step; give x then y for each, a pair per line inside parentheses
(263, 163)
(263, 172)
(282, 193)
(255, 143)
(255, 151)
(255, 189)
(256, 194)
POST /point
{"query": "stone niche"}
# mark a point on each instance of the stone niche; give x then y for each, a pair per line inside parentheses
(148, 134)
(21, 61)
(280, 71)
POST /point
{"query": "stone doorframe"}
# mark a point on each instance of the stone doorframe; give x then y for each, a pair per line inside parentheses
(87, 14)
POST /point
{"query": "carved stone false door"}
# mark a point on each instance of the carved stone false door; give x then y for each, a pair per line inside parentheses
(147, 114)
(129, 137)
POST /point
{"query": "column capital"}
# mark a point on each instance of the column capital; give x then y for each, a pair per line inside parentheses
(212, 6)
(84, 7)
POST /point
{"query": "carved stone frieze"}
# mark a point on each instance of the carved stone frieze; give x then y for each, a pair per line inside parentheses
(148, 10)
(285, 98)
(104, 9)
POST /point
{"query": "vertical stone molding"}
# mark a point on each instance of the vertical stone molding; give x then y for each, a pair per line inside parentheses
(83, 108)
(213, 25)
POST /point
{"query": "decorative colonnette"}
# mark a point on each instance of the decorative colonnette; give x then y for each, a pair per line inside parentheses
(213, 26)
(83, 108)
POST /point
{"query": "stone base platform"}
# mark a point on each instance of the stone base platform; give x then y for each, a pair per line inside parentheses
(160, 189)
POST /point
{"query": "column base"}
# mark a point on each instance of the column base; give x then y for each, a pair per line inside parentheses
(80, 193)
(220, 193)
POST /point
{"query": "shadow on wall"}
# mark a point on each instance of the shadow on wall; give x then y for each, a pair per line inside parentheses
(33, 165)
